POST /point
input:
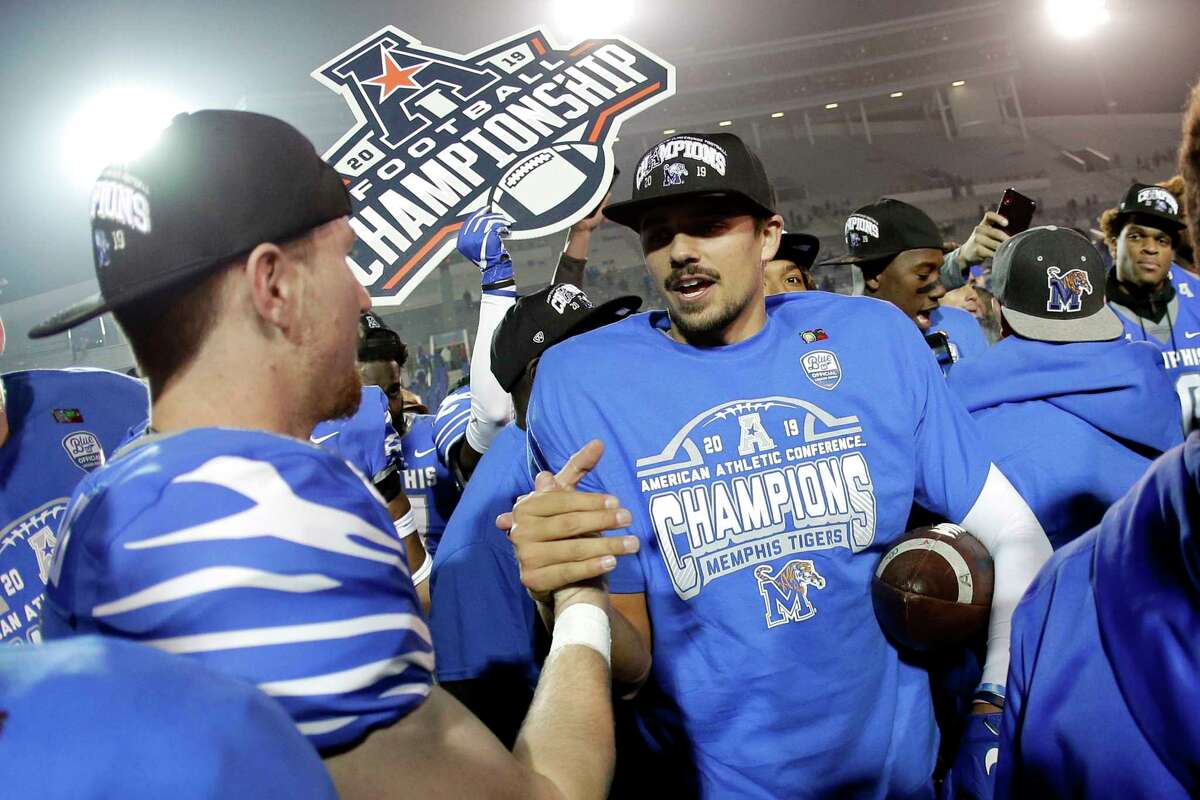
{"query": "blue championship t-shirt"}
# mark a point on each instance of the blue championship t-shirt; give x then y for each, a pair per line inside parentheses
(962, 329)
(63, 423)
(481, 616)
(363, 437)
(100, 717)
(428, 483)
(765, 479)
(259, 555)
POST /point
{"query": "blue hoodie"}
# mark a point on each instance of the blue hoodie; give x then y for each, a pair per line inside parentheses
(1102, 687)
(1073, 426)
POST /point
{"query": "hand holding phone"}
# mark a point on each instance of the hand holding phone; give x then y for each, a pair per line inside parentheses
(1017, 210)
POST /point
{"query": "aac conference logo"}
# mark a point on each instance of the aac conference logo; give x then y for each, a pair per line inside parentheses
(521, 125)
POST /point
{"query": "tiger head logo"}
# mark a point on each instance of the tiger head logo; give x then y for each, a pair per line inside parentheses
(785, 593)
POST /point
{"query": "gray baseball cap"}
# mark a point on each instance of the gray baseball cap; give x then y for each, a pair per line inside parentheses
(1050, 284)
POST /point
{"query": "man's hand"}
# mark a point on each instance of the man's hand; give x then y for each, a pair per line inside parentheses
(973, 776)
(984, 240)
(589, 224)
(557, 532)
(481, 241)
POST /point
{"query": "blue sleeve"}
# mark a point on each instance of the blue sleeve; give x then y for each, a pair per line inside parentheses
(450, 424)
(558, 426)
(481, 616)
(383, 456)
(284, 571)
(951, 456)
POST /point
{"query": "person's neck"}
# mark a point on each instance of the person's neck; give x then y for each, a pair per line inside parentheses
(231, 394)
(746, 325)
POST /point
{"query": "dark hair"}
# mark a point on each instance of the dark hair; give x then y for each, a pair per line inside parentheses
(165, 330)
(1189, 164)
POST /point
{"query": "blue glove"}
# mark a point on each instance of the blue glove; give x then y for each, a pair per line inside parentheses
(481, 241)
(973, 776)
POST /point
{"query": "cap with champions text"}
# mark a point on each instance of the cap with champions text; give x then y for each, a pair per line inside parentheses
(886, 228)
(1050, 284)
(215, 185)
(377, 341)
(691, 165)
(542, 319)
(1154, 204)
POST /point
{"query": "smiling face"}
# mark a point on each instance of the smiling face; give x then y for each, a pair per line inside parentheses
(1142, 255)
(706, 255)
(911, 282)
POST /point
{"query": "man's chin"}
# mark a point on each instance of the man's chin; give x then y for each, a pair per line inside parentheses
(345, 400)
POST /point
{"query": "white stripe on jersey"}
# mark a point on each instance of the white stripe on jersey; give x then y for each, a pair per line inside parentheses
(214, 579)
(349, 680)
(278, 513)
(449, 431)
(406, 688)
(320, 726)
(292, 634)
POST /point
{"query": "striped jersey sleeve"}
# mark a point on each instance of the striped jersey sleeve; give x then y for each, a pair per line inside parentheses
(263, 557)
(450, 424)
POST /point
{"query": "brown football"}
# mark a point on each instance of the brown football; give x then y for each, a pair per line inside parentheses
(933, 588)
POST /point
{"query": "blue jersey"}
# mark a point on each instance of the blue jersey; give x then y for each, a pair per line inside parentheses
(1181, 350)
(363, 437)
(63, 423)
(966, 337)
(1102, 683)
(1073, 426)
(481, 616)
(766, 478)
(450, 422)
(98, 717)
(261, 556)
(428, 483)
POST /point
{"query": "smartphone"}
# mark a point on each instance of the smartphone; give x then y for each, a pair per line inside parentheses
(1017, 209)
(939, 343)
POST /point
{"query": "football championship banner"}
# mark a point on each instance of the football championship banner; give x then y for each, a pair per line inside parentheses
(522, 125)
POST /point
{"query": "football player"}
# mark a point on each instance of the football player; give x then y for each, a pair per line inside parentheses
(56, 426)
(1064, 367)
(749, 455)
(791, 268)
(227, 537)
(1155, 299)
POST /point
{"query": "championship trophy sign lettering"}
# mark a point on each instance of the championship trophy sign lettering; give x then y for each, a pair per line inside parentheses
(522, 125)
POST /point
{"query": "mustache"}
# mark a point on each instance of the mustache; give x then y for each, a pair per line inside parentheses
(673, 281)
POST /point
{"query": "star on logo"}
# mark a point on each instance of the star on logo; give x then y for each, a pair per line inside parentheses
(394, 77)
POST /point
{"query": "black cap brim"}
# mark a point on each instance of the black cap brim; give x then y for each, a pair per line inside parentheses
(630, 212)
(849, 259)
(1171, 223)
(801, 249)
(76, 314)
(606, 314)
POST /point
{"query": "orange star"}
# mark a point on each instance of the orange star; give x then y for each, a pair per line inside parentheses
(393, 77)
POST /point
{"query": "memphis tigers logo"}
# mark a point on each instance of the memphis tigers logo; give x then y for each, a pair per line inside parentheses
(521, 125)
(1067, 291)
(785, 593)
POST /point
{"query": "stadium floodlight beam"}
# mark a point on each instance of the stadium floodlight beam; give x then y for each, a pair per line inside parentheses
(830, 106)
(580, 19)
(114, 126)
(1074, 19)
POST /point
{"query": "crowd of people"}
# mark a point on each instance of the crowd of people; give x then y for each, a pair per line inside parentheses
(631, 551)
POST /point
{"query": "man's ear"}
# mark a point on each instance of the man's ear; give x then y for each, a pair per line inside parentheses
(871, 283)
(274, 282)
(772, 230)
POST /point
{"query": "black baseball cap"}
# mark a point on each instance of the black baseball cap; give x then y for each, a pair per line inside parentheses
(216, 185)
(1155, 204)
(378, 342)
(693, 164)
(542, 319)
(886, 228)
(1050, 284)
(799, 248)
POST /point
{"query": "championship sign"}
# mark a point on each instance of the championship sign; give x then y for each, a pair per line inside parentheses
(521, 125)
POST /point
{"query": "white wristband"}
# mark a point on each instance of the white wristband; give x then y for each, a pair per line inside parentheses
(406, 526)
(423, 572)
(585, 624)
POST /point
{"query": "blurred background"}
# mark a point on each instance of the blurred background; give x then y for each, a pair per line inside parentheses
(942, 104)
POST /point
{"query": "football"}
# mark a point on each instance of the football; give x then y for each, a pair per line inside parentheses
(542, 185)
(933, 589)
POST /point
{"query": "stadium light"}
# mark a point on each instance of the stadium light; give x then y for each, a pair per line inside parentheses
(896, 94)
(830, 106)
(668, 131)
(580, 19)
(1074, 19)
(959, 83)
(777, 115)
(725, 123)
(114, 126)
